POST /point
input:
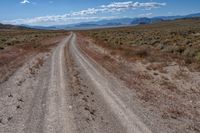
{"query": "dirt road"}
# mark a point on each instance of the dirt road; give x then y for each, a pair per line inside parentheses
(65, 91)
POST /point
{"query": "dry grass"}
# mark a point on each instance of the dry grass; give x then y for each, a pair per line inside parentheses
(178, 40)
(153, 61)
(17, 45)
(26, 38)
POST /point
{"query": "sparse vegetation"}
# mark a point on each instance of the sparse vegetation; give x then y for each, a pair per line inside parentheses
(19, 37)
(178, 39)
(157, 62)
(17, 44)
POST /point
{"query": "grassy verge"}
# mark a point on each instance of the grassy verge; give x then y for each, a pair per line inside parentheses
(174, 40)
(32, 38)
(153, 61)
(17, 45)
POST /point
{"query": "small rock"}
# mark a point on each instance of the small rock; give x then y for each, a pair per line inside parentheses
(10, 95)
(18, 107)
(20, 100)
(9, 118)
(70, 107)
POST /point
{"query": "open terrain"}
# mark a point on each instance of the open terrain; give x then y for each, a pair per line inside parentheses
(159, 63)
(142, 79)
(65, 91)
(19, 44)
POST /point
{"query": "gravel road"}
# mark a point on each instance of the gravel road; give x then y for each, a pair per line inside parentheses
(65, 91)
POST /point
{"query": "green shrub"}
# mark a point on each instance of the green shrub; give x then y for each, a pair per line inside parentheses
(3, 39)
(169, 49)
(9, 43)
(190, 52)
(198, 56)
(179, 49)
(1, 47)
(161, 46)
(142, 53)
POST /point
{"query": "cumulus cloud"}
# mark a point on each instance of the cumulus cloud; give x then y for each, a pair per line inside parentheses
(25, 2)
(89, 13)
(52, 20)
(145, 15)
(132, 5)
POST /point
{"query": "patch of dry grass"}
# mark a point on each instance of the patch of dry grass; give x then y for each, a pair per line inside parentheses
(177, 40)
(151, 60)
(20, 37)
(17, 45)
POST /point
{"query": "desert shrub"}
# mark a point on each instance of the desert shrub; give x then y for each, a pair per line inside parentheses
(142, 52)
(113, 52)
(169, 49)
(9, 43)
(175, 39)
(152, 59)
(129, 53)
(1, 47)
(16, 41)
(179, 49)
(188, 61)
(190, 52)
(188, 42)
(154, 42)
(198, 56)
(167, 42)
(106, 39)
(106, 57)
(3, 39)
(161, 46)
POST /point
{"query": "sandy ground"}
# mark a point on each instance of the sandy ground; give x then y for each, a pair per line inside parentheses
(165, 94)
(65, 91)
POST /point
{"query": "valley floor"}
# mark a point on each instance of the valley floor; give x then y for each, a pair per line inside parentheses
(80, 87)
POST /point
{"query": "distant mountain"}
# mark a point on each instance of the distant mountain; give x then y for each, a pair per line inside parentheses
(45, 28)
(95, 25)
(9, 26)
(179, 16)
(40, 27)
(193, 15)
(146, 20)
(86, 25)
(122, 21)
(115, 22)
(126, 21)
(161, 18)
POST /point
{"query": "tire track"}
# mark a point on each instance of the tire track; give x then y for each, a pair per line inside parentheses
(71, 95)
(91, 114)
(57, 119)
(103, 84)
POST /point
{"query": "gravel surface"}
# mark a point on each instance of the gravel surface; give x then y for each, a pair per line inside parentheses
(65, 91)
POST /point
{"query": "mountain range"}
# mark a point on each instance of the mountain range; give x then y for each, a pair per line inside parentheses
(9, 26)
(109, 23)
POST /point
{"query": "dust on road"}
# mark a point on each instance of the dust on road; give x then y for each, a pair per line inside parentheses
(68, 93)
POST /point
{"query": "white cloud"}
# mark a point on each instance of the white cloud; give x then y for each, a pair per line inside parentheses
(25, 2)
(54, 20)
(145, 15)
(132, 5)
(89, 13)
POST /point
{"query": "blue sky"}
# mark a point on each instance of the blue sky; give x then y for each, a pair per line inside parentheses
(55, 12)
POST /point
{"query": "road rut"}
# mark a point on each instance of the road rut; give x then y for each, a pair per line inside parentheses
(69, 93)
